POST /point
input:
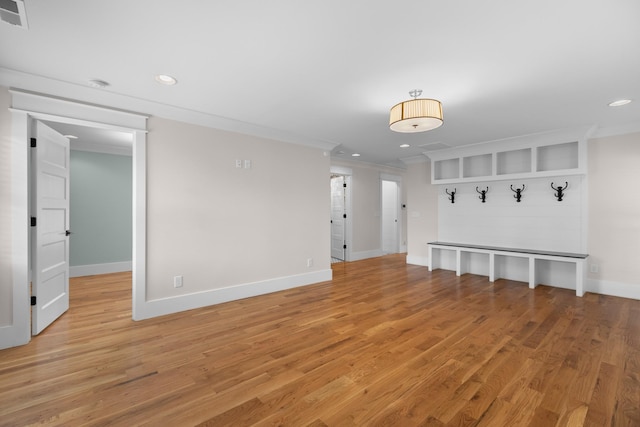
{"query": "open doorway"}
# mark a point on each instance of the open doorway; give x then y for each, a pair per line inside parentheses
(341, 218)
(390, 218)
(101, 185)
(27, 108)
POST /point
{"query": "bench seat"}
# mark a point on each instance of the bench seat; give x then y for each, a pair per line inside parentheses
(533, 255)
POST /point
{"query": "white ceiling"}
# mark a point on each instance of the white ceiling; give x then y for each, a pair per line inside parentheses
(327, 72)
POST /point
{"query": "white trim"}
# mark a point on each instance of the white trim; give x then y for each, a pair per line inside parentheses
(357, 256)
(57, 108)
(93, 269)
(13, 78)
(608, 131)
(417, 260)
(139, 225)
(19, 331)
(26, 107)
(616, 289)
(163, 306)
(95, 147)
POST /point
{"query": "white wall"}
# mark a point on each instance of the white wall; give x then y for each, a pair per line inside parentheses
(538, 221)
(220, 226)
(614, 211)
(5, 209)
(422, 212)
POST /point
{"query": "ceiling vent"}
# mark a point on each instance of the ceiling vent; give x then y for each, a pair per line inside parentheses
(13, 12)
(433, 146)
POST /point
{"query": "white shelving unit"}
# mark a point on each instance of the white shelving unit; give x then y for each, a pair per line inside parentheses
(535, 156)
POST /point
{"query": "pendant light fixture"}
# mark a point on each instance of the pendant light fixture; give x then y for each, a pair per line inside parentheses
(416, 115)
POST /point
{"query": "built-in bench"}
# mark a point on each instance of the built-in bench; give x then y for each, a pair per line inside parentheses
(534, 257)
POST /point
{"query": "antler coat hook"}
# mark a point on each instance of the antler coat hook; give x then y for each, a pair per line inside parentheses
(483, 194)
(559, 190)
(452, 194)
(518, 192)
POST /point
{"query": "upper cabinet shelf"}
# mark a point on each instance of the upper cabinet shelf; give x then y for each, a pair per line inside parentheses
(532, 156)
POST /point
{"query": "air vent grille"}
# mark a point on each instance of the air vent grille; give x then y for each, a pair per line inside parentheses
(13, 12)
(433, 146)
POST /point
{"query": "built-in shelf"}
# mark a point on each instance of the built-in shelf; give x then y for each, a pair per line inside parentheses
(534, 156)
(477, 166)
(557, 157)
(515, 161)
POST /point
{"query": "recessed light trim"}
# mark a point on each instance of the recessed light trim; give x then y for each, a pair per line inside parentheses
(619, 102)
(166, 79)
(405, 146)
(355, 155)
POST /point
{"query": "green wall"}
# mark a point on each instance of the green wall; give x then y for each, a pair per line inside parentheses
(100, 201)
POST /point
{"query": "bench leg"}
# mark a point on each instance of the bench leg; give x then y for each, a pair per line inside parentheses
(580, 277)
(532, 273)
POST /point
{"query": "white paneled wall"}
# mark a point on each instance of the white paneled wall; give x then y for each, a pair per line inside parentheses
(539, 221)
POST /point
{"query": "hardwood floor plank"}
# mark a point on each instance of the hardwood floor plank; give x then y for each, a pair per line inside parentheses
(383, 343)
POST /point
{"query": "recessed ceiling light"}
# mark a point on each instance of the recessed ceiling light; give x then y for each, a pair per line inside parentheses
(619, 102)
(405, 146)
(166, 79)
(355, 155)
(100, 84)
(70, 136)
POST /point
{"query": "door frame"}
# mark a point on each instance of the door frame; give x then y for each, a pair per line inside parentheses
(26, 108)
(399, 228)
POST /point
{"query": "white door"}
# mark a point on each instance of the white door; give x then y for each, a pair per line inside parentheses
(338, 212)
(50, 240)
(390, 205)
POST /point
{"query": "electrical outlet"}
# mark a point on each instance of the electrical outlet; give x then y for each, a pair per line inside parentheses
(177, 281)
(309, 262)
(238, 163)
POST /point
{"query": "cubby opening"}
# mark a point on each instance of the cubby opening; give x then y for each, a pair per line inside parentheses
(444, 259)
(474, 263)
(516, 161)
(447, 169)
(475, 166)
(556, 273)
(511, 268)
(557, 157)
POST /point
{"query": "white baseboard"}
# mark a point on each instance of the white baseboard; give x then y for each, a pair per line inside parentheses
(616, 289)
(163, 306)
(91, 269)
(417, 260)
(357, 256)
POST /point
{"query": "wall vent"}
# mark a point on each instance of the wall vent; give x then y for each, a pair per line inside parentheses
(13, 12)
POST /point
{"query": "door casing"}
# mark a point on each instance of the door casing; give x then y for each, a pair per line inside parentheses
(27, 107)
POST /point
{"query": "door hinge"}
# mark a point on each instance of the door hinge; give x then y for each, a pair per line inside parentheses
(344, 246)
(33, 142)
(344, 215)
(33, 221)
(344, 185)
(33, 300)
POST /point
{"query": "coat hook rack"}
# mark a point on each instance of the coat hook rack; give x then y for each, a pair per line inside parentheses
(559, 190)
(452, 194)
(483, 194)
(518, 192)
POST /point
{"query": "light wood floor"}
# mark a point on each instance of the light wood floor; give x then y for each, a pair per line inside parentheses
(384, 343)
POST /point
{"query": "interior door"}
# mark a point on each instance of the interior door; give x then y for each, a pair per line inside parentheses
(50, 235)
(338, 212)
(390, 214)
